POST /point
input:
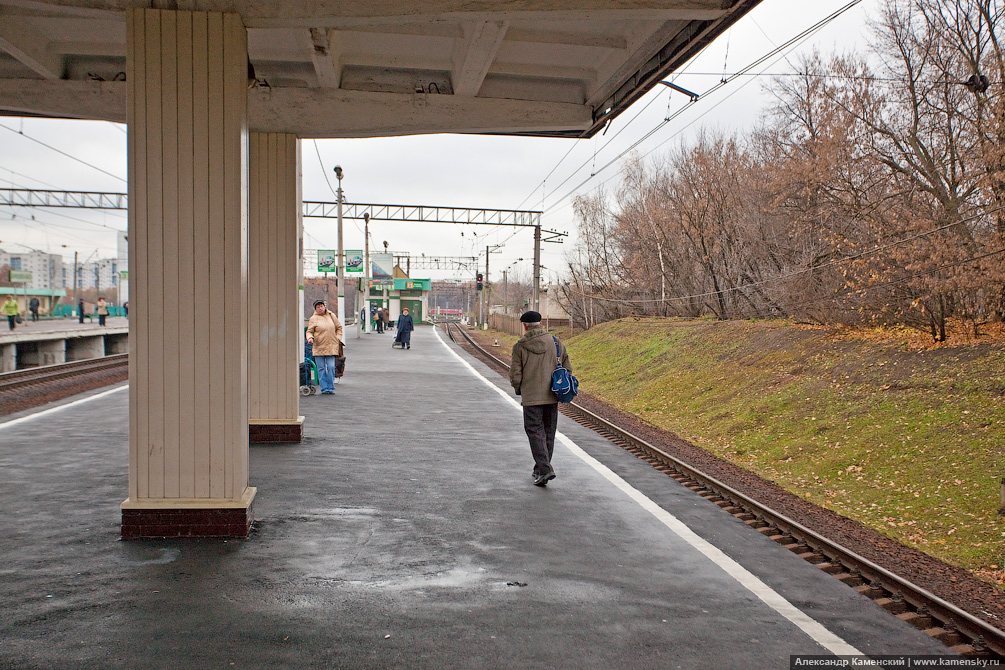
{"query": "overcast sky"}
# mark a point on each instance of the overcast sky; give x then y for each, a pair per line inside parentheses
(451, 170)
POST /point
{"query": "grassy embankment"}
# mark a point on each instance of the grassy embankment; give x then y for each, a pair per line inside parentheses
(879, 426)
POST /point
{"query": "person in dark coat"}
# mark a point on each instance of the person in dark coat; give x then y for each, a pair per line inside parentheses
(33, 308)
(80, 310)
(535, 357)
(405, 328)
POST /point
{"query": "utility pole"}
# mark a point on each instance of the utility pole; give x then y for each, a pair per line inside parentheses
(485, 292)
(76, 299)
(366, 271)
(506, 291)
(537, 265)
(340, 258)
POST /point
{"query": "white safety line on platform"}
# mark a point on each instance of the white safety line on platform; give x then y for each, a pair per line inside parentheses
(747, 579)
(36, 415)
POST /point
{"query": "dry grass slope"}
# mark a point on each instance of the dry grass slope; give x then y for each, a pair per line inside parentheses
(876, 425)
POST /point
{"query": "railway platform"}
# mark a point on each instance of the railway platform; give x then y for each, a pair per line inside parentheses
(54, 341)
(405, 532)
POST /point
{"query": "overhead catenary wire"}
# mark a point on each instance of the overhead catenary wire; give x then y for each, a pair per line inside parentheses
(613, 137)
(59, 151)
(791, 43)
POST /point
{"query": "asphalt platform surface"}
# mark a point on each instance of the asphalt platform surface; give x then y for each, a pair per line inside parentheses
(404, 532)
(46, 328)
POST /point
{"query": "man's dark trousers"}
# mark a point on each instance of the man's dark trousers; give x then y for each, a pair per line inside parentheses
(541, 422)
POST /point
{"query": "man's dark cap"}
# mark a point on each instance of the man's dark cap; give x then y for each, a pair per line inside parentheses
(319, 302)
(531, 317)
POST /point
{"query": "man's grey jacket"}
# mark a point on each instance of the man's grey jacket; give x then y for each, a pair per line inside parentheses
(534, 361)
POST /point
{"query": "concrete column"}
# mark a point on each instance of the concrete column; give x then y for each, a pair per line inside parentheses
(83, 348)
(51, 352)
(8, 357)
(188, 255)
(275, 273)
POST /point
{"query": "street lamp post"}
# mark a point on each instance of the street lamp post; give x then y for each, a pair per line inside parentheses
(339, 270)
(366, 274)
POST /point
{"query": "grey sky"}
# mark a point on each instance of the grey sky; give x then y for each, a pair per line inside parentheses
(457, 170)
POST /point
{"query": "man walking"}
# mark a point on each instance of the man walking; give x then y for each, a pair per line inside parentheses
(535, 357)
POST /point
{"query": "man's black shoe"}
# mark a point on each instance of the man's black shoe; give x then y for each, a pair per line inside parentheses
(542, 480)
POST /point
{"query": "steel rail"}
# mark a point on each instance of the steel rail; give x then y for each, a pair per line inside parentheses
(46, 373)
(879, 581)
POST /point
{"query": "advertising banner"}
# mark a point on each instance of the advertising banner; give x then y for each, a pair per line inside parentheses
(326, 260)
(381, 266)
(354, 261)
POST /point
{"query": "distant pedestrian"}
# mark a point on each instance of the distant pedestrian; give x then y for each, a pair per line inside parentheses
(386, 320)
(10, 308)
(80, 310)
(125, 309)
(380, 320)
(405, 328)
(33, 308)
(102, 311)
(535, 357)
(324, 333)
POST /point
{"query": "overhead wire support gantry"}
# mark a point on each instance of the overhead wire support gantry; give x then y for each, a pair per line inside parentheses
(20, 197)
(23, 197)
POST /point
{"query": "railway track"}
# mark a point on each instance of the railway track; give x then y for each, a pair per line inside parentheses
(960, 631)
(10, 381)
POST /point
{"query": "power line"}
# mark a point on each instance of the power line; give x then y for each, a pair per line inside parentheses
(676, 76)
(5, 169)
(47, 146)
(790, 44)
(615, 136)
(72, 218)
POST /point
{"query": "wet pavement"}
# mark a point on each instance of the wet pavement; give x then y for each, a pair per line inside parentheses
(404, 532)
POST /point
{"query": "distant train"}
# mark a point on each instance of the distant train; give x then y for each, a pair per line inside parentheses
(443, 311)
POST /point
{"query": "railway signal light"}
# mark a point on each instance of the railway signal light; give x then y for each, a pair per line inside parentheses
(478, 278)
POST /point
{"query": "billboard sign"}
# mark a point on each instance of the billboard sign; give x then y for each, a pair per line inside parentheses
(326, 260)
(354, 261)
(20, 277)
(381, 266)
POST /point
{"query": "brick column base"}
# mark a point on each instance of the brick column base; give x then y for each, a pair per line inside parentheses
(272, 432)
(189, 518)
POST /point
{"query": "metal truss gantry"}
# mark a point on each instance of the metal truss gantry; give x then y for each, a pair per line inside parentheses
(20, 197)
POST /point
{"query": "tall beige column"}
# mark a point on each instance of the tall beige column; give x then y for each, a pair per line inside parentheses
(188, 252)
(275, 273)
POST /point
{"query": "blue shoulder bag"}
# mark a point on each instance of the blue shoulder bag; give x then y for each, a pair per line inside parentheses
(563, 384)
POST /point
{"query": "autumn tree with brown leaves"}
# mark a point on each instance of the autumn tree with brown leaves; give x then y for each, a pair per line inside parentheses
(874, 192)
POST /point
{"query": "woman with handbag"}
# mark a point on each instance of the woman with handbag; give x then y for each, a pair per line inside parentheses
(102, 311)
(324, 332)
(10, 308)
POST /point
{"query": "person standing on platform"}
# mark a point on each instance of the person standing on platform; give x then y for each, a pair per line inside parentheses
(405, 328)
(11, 310)
(80, 310)
(125, 309)
(324, 332)
(33, 308)
(102, 311)
(387, 320)
(380, 320)
(535, 357)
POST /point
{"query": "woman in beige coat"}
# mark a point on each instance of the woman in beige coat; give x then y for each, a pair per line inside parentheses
(324, 332)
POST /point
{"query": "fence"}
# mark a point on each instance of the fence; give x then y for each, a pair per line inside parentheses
(509, 323)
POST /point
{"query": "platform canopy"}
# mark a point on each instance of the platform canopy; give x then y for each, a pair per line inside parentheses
(365, 68)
